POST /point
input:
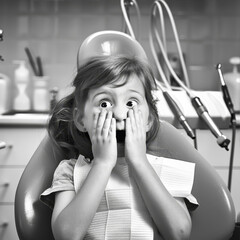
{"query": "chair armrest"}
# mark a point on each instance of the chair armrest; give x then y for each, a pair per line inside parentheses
(215, 216)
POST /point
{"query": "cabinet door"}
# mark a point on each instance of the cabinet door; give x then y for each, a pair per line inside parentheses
(7, 223)
(219, 158)
(9, 178)
(22, 141)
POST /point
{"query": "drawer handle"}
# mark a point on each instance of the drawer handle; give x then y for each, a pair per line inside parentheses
(3, 224)
(2, 145)
(4, 184)
(5, 145)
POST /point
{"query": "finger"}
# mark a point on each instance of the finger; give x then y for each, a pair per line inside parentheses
(112, 131)
(100, 121)
(95, 120)
(141, 124)
(128, 127)
(132, 120)
(107, 124)
(136, 113)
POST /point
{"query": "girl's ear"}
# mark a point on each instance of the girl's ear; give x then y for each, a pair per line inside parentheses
(78, 120)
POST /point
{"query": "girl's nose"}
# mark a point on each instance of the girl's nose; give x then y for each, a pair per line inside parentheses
(120, 113)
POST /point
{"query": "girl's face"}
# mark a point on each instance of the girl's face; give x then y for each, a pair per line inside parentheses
(118, 99)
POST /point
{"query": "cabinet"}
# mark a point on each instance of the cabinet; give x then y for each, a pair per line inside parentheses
(21, 142)
(219, 158)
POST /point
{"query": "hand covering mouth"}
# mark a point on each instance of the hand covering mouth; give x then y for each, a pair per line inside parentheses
(120, 135)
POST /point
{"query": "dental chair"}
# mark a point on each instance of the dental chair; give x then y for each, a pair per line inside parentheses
(214, 219)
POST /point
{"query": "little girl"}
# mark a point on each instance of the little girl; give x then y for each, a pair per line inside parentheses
(111, 188)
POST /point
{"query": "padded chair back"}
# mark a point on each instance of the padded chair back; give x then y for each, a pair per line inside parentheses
(214, 219)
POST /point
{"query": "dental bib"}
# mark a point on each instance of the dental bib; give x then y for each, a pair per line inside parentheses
(122, 213)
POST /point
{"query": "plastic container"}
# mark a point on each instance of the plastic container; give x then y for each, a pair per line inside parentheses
(233, 83)
(54, 96)
(4, 87)
(21, 102)
(41, 99)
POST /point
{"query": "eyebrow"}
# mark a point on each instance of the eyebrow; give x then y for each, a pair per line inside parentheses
(106, 92)
(133, 90)
(101, 93)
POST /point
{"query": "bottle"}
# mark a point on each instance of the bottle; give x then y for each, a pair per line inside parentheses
(53, 101)
(21, 103)
(41, 102)
(233, 83)
(4, 82)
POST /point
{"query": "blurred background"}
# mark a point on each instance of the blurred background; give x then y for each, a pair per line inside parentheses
(209, 32)
(53, 29)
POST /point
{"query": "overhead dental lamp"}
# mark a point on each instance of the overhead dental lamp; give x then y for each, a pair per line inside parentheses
(109, 43)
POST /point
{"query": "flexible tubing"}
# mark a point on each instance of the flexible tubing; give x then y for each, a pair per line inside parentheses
(160, 44)
(163, 33)
(159, 68)
(126, 18)
(174, 28)
(157, 5)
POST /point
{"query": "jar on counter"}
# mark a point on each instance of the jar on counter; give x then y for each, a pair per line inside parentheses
(21, 102)
(4, 92)
(54, 95)
(41, 99)
(233, 82)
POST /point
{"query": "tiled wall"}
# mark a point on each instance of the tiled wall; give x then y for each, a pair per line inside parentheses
(209, 32)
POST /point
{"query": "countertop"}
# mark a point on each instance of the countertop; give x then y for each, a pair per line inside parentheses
(24, 119)
(213, 100)
(40, 120)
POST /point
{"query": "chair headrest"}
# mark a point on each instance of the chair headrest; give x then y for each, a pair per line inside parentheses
(109, 43)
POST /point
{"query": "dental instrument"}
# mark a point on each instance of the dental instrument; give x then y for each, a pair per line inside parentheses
(195, 100)
(1, 34)
(35, 65)
(172, 104)
(40, 68)
(178, 114)
(230, 106)
(31, 61)
(226, 95)
(1, 39)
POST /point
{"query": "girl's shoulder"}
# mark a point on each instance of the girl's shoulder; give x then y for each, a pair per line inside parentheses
(65, 168)
(62, 181)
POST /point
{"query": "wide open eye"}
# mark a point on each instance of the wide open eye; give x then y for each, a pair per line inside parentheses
(131, 103)
(105, 104)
